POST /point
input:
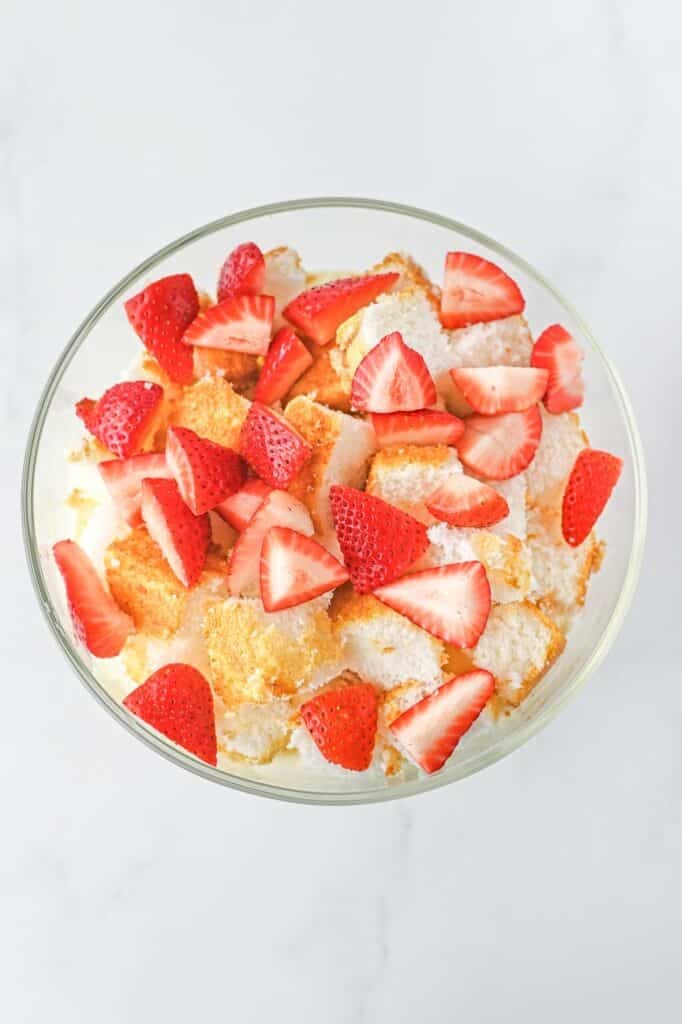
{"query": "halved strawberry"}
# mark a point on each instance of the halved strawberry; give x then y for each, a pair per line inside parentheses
(272, 446)
(286, 360)
(451, 602)
(97, 620)
(123, 479)
(463, 501)
(430, 730)
(319, 311)
(379, 542)
(425, 426)
(278, 509)
(177, 701)
(295, 568)
(589, 487)
(182, 536)
(499, 447)
(240, 324)
(160, 314)
(343, 725)
(495, 389)
(558, 352)
(392, 378)
(476, 291)
(240, 508)
(206, 473)
(125, 418)
(242, 273)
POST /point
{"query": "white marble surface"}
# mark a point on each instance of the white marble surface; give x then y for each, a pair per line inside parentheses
(547, 888)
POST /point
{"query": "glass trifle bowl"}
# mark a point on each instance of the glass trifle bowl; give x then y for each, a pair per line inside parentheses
(351, 234)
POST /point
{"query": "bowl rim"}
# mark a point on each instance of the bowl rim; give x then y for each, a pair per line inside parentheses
(507, 742)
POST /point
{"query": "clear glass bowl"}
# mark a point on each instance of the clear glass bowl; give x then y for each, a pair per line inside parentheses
(331, 233)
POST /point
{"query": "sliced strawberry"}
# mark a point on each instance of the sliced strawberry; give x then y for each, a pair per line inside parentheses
(431, 729)
(451, 602)
(272, 446)
(499, 447)
(392, 378)
(242, 506)
(182, 536)
(123, 479)
(286, 360)
(343, 725)
(242, 273)
(160, 315)
(240, 324)
(495, 389)
(97, 620)
(589, 487)
(319, 311)
(278, 509)
(177, 701)
(379, 542)
(426, 426)
(206, 473)
(125, 417)
(463, 501)
(476, 291)
(558, 352)
(294, 569)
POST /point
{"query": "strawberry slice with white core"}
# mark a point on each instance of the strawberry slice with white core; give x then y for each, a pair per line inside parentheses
(239, 324)
(272, 446)
(451, 602)
(278, 509)
(123, 479)
(424, 426)
(430, 730)
(240, 509)
(318, 311)
(476, 291)
(97, 620)
(286, 360)
(499, 447)
(392, 378)
(558, 352)
(496, 389)
(295, 569)
(206, 473)
(465, 502)
(182, 536)
(242, 273)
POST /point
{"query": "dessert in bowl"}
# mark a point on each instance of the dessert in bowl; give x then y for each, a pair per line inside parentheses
(332, 534)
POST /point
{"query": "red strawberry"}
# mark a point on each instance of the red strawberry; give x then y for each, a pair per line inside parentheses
(125, 417)
(431, 729)
(558, 353)
(206, 473)
(427, 426)
(240, 324)
(182, 536)
(177, 701)
(319, 311)
(343, 725)
(593, 477)
(499, 447)
(378, 541)
(272, 446)
(452, 602)
(294, 569)
(286, 360)
(242, 273)
(242, 506)
(160, 315)
(278, 509)
(123, 479)
(392, 378)
(495, 389)
(476, 291)
(97, 620)
(463, 501)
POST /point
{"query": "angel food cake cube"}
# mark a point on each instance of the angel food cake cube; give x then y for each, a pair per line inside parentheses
(143, 584)
(321, 382)
(561, 573)
(561, 440)
(254, 732)
(285, 278)
(406, 475)
(212, 409)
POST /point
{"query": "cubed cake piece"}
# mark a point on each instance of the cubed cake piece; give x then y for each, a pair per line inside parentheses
(411, 275)
(143, 584)
(322, 382)
(254, 732)
(406, 475)
(506, 559)
(560, 572)
(212, 409)
(240, 368)
(562, 438)
(506, 342)
(284, 279)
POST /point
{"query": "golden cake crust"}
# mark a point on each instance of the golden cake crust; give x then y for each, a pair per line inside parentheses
(213, 409)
